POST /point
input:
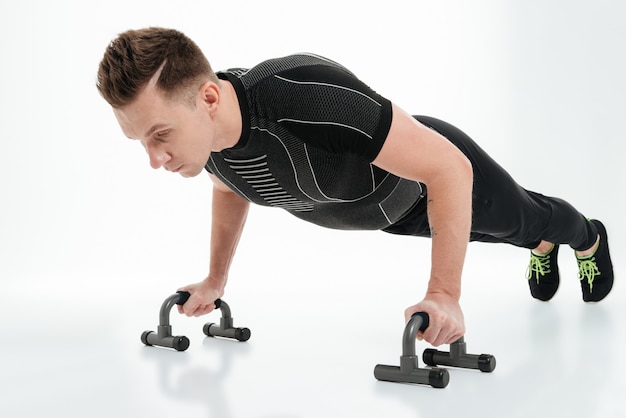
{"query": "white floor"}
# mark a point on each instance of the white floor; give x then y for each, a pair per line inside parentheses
(92, 240)
(313, 349)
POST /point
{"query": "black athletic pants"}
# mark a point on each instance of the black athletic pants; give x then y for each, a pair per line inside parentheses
(503, 211)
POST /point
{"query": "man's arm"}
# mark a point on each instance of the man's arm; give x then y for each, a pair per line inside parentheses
(229, 212)
(415, 152)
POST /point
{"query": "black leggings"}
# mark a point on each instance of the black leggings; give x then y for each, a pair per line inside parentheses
(503, 211)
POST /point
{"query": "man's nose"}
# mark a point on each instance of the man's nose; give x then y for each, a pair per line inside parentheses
(158, 157)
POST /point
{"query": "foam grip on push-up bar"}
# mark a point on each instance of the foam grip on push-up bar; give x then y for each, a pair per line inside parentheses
(183, 297)
(425, 320)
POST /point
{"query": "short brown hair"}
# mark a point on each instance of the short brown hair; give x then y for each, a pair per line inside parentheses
(135, 56)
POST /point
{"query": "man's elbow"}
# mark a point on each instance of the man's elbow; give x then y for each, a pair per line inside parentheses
(459, 170)
(466, 169)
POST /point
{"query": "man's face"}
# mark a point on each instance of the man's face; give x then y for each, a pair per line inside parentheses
(176, 135)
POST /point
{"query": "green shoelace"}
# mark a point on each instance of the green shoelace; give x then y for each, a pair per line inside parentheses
(539, 264)
(588, 269)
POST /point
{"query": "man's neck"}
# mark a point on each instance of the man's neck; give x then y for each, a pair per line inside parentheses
(229, 118)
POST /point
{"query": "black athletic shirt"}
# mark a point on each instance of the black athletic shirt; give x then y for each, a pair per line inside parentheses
(310, 132)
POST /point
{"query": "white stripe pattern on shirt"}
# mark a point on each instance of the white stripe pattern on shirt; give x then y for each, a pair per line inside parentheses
(257, 174)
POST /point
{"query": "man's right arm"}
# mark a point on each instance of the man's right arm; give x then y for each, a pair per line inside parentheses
(229, 212)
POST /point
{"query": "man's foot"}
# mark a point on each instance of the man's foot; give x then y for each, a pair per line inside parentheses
(543, 274)
(595, 271)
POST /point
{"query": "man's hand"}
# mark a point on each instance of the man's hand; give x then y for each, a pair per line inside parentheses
(203, 296)
(446, 323)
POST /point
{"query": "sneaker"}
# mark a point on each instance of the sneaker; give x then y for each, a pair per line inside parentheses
(543, 274)
(596, 271)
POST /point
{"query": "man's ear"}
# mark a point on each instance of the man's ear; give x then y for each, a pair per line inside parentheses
(210, 95)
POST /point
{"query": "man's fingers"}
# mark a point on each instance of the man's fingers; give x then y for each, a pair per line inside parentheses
(189, 308)
(437, 337)
(199, 311)
(203, 310)
(432, 335)
(195, 308)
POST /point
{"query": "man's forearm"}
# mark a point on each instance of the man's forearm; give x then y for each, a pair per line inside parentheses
(449, 214)
(229, 212)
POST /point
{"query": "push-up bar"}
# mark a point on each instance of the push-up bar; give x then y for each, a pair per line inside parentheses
(409, 370)
(164, 338)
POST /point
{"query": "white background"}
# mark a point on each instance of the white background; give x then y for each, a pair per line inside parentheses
(92, 240)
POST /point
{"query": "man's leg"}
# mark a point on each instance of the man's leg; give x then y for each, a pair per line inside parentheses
(503, 211)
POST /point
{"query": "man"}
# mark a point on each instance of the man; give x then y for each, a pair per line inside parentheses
(302, 133)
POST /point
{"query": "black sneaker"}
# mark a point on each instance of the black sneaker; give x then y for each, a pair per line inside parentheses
(543, 274)
(596, 271)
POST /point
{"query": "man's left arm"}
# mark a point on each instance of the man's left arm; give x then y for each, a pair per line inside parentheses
(415, 152)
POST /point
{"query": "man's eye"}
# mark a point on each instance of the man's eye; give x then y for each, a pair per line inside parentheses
(161, 135)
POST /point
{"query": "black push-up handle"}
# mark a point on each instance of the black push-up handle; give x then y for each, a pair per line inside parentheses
(164, 338)
(409, 370)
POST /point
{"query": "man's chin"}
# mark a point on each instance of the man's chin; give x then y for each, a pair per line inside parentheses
(188, 174)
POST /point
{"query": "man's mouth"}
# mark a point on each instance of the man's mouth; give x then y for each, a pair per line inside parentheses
(176, 170)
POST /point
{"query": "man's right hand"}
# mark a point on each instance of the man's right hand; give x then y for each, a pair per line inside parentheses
(203, 296)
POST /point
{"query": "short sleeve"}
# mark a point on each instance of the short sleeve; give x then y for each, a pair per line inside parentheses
(327, 107)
